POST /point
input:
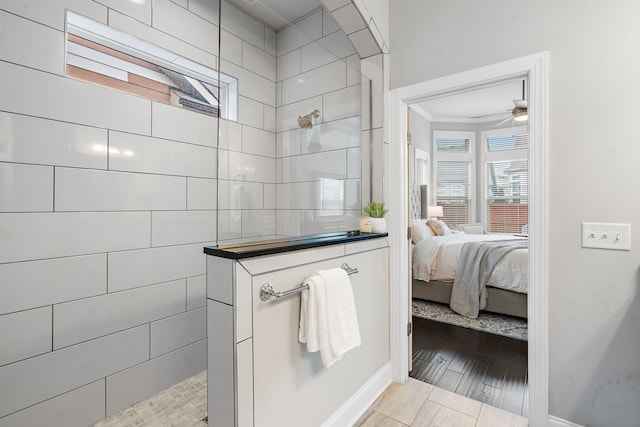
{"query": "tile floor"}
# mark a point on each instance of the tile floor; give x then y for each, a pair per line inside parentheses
(414, 404)
(184, 404)
(418, 404)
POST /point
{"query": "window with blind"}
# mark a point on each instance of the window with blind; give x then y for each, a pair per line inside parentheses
(507, 181)
(453, 161)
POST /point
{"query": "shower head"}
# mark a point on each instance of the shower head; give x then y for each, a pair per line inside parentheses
(306, 121)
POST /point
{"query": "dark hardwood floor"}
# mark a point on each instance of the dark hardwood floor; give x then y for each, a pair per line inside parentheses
(485, 367)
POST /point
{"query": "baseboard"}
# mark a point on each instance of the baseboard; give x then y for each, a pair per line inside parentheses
(361, 400)
(559, 422)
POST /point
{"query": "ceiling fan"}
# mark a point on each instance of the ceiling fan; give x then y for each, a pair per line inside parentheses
(520, 112)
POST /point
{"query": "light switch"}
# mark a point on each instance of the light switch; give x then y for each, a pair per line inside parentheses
(606, 236)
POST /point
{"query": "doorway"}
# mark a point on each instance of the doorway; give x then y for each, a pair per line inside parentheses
(480, 172)
(534, 68)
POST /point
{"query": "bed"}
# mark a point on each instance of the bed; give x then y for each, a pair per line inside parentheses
(436, 258)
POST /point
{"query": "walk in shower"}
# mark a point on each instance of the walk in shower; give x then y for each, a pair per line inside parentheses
(142, 132)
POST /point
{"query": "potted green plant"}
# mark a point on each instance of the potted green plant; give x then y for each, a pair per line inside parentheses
(375, 222)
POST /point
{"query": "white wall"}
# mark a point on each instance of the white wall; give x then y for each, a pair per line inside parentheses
(102, 275)
(594, 299)
(421, 133)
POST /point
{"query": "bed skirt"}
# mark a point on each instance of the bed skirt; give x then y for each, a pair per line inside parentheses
(498, 300)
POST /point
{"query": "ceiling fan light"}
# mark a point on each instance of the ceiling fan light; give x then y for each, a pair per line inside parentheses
(521, 116)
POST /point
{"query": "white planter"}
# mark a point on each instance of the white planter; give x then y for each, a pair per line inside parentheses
(378, 225)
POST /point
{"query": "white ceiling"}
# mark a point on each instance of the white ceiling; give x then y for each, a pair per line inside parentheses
(479, 105)
(277, 13)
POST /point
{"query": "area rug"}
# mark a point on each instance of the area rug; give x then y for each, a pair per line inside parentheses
(508, 326)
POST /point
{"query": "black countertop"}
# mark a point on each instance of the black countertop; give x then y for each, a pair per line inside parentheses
(270, 247)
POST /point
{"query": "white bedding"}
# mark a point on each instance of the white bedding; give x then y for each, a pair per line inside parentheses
(436, 258)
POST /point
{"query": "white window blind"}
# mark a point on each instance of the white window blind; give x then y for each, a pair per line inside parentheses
(507, 183)
(453, 144)
(453, 192)
(454, 176)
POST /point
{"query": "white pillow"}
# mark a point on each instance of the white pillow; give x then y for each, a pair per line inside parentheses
(472, 228)
(420, 230)
(439, 227)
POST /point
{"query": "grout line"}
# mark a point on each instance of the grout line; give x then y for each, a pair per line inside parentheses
(150, 229)
(105, 397)
(106, 255)
(53, 192)
(108, 146)
(52, 327)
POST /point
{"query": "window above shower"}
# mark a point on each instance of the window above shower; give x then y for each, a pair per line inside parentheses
(103, 55)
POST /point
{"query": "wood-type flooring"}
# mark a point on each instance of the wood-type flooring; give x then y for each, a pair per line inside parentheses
(489, 368)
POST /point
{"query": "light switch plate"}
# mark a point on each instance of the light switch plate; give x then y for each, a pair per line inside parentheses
(601, 235)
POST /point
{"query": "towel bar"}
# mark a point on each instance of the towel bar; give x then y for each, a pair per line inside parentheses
(267, 291)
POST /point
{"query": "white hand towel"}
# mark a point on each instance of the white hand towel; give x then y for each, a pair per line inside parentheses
(328, 318)
(308, 327)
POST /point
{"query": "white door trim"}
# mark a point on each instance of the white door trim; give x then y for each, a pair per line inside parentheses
(535, 68)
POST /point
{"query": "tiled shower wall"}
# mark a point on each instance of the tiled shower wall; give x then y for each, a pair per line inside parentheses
(247, 147)
(106, 201)
(269, 186)
(318, 68)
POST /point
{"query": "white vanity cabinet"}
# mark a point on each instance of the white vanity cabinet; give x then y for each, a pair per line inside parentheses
(259, 375)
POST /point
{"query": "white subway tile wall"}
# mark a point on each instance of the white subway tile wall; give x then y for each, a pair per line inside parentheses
(25, 139)
(32, 284)
(166, 40)
(26, 188)
(182, 125)
(142, 380)
(140, 11)
(181, 227)
(185, 25)
(207, 9)
(349, 18)
(136, 153)
(70, 100)
(178, 331)
(25, 334)
(80, 407)
(132, 269)
(78, 321)
(51, 13)
(196, 292)
(31, 381)
(97, 190)
(106, 201)
(201, 193)
(32, 236)
(41, 50)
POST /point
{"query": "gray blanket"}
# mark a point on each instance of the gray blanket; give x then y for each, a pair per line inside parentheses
(477, 261)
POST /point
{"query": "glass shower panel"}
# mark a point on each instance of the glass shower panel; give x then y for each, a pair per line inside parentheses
(291, 163)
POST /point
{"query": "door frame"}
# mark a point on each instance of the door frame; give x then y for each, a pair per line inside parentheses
(535, 68)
